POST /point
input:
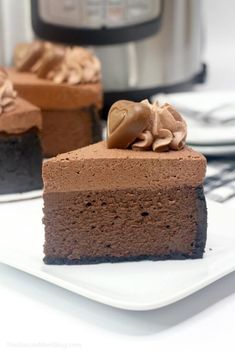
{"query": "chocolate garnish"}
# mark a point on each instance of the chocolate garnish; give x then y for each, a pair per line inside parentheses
(51, 59)
(126, 120)
(27, 55)
(58, 63)
(7, 92)
(144, 126)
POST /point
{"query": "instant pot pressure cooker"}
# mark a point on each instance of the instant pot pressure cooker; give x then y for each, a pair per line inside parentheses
(145, 46)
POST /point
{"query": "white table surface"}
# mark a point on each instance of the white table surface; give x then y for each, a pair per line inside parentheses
(37, 316)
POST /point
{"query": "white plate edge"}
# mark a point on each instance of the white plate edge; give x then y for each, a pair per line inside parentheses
(120, 304)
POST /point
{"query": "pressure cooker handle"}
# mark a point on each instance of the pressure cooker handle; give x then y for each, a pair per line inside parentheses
(87, 36)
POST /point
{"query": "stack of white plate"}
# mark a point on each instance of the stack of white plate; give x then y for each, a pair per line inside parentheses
(210, 117)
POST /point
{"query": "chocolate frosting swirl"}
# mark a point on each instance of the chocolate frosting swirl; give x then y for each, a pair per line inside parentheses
(7, 93)
(26, 56)
(72, 65)
(145, 126)
(78, 66)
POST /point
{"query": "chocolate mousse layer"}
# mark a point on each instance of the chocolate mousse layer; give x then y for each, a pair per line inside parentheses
(97, 168)
(120, 205)
(23, 117)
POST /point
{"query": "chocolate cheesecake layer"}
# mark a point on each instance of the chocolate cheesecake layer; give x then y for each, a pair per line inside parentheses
(125, 225)
(65, 131)
(108, 205)
(20, 162)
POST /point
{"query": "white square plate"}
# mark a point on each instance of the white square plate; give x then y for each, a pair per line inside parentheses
(133, 286)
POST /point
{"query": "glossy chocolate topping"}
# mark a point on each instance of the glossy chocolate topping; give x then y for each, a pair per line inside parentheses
(58, 63)
(144, 126)
(7, 92)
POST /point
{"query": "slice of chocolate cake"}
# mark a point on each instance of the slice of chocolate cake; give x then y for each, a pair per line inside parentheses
(65, 83)
(107, 203)
(20, 148)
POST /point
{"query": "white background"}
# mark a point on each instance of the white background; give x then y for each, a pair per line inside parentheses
(220, 44)
(37, 316)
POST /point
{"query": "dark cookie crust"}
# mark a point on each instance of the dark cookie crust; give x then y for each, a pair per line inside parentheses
(20, 162)
(201, 236)
(112, 259)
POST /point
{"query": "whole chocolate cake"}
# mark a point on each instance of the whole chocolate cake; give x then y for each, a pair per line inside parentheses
(65, 83)
(20, 148)
(138, 196)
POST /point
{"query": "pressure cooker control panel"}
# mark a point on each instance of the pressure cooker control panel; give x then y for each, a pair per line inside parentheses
(95, 14)
(96, 22)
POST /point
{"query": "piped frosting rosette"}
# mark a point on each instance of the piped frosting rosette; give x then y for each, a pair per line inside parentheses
(7, 92)
(145, 126)
(58, 63)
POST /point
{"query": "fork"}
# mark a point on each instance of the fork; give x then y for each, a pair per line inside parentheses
(206, 117)
(203, 117)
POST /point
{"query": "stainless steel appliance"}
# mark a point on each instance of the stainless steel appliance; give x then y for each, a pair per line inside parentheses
(145, 46)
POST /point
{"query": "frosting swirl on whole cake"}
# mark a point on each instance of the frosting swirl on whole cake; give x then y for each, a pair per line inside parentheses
(61, 64)
(145, 126)
(7, 93)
